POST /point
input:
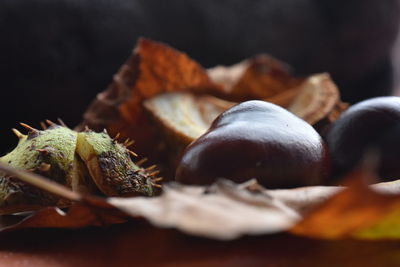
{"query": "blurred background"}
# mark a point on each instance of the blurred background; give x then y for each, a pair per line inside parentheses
(56, 55)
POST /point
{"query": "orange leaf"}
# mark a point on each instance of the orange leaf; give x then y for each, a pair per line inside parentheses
(258, 78)
(153, 68)
(355, 208)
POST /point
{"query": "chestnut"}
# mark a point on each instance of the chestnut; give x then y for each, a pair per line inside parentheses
(367, 125)
(256, 139)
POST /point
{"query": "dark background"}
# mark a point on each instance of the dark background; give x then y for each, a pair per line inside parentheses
(56, 55)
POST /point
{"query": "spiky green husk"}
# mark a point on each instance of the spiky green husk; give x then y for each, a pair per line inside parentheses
(86, 162)
(49, 152)
(54, 146)
(111, 166)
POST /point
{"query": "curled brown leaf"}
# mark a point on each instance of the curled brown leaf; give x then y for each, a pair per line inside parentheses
(260, 77)
(152, 69)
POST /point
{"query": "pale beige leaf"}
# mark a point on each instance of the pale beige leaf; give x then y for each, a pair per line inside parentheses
(185, 116)
(223, 211)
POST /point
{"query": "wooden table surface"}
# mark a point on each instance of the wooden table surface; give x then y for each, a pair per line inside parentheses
(139, 244)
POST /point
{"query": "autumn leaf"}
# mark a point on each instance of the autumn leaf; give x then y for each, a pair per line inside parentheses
(184, 116)
(357, 211)
(346, 212)
(260, 77)
(222, 211)
(77, 215)
(152, 69)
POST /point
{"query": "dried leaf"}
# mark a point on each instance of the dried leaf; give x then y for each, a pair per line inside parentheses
(77, 216)
(285, 98)
(316, 99)
(356, 211)
(258, 78)
(153, 68)
(223, 211)
(386, 227)
(228, 76)
(305, 199)
(359, 211)
(185, 116)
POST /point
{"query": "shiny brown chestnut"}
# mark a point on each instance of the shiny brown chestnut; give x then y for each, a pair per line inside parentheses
(370, 124)
(256, 139)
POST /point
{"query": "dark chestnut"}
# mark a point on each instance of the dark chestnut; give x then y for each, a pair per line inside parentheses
(256, 139)
(366, 125)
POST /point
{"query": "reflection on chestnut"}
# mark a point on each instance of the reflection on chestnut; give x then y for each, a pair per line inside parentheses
(366, 125)
(256, 139)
